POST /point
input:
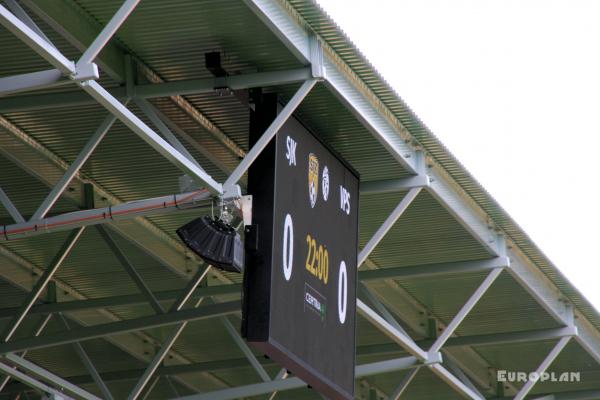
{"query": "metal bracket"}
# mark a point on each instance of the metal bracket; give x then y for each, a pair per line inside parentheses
(244, 203)
(434, 358)
(84, 72)
(317, 64)
(232, 192)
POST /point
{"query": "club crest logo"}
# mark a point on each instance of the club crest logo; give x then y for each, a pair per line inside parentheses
(313, 178)
(325, 183)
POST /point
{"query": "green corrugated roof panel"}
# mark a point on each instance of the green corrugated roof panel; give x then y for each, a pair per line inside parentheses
(170, 38)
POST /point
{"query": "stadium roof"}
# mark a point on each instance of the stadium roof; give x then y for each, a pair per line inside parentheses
(452, 289)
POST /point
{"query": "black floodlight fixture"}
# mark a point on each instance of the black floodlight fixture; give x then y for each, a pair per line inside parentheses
(215, 241)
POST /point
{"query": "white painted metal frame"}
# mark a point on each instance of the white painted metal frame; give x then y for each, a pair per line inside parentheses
(37, 372)
(562, 343)
(41, 283)
(390, 133)
(375, 117)
(74, 168)
(81, 72)
(38, 331)
(173, 336)
(10, 207)
(89, 366)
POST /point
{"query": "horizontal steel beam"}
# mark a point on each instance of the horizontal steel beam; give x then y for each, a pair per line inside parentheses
(154, 90)
(47, 376)
(389, 349)
(477, 340)
(429, 270)
(123, 300)
(33, 383)
(130, 325)
(509, 337)
(394, 185)
(296, 383)
(30, 81)
(101, 215)
(171, 370)
(233, 82)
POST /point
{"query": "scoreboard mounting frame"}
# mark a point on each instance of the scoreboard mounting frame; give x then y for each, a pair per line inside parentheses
(299, 300)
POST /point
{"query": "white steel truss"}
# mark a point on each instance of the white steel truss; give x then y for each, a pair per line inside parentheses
(324, 66)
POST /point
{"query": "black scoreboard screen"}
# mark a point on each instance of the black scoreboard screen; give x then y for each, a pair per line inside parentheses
(300, 279)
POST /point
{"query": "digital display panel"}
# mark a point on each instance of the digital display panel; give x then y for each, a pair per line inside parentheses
(308, 315)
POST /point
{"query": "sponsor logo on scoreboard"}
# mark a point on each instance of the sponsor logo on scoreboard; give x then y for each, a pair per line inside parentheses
(313, 179)
(315, 301)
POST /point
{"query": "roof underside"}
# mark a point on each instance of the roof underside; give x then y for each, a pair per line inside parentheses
(169, 38)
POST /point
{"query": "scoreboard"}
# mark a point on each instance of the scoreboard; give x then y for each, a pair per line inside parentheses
(300, 280)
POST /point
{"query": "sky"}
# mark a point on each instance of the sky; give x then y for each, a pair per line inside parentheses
(512, 88)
